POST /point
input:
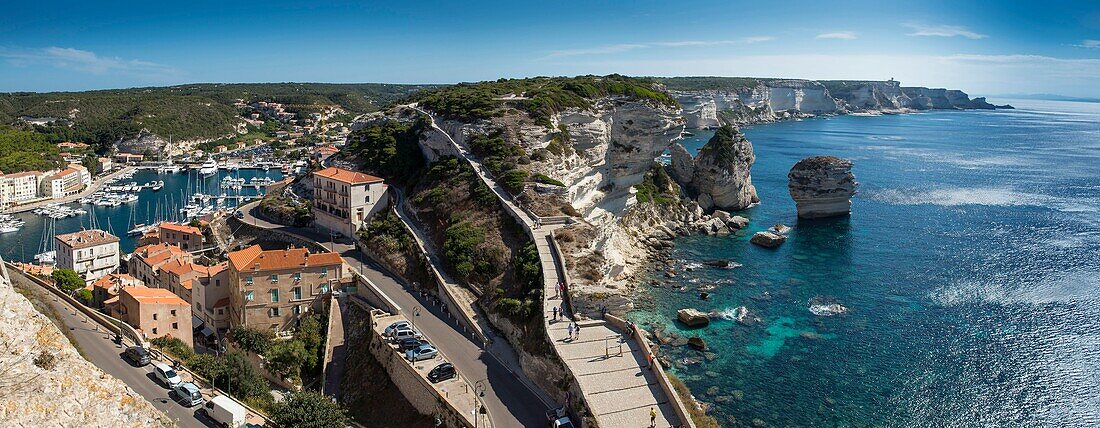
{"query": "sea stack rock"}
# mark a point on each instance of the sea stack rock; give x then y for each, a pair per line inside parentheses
(720, 174)
(822, 186)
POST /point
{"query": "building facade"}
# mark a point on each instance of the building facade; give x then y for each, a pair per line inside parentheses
(19, 187)
(189, 238)
(272, 289)
(91, 253)
(155, 312)
(343, 200)
(145, 262)
(66, 182)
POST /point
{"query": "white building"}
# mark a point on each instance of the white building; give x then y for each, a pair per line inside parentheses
(91, 253)
(19, 187)
(67, 182)
(85, 175)
(343, 200)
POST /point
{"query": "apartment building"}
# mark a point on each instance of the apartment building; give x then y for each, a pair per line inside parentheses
(271, 289)
(343, 199)
(189, 238)
(19, 187)
(155, 312)
(91, 253)
(108, 287)
(145, 262)
(66, 182)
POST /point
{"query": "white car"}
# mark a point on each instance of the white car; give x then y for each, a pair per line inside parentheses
(405, 333)
(400, 325)
(166, 375)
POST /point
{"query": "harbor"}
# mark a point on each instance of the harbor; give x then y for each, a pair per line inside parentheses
(129, 202)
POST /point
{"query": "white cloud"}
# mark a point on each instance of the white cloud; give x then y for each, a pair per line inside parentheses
(1089, 43)
(81, 60)
(943, 31)
(611, 49)
(842, 35)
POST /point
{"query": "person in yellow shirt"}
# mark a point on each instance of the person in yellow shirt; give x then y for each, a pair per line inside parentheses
(652, 417)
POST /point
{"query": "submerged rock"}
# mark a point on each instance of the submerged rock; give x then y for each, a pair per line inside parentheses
(744, 317)
(693, 317)
(768, 239)
(822, 186)
(697, 343)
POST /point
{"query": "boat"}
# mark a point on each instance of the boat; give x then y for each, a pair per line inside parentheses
(208, 168)
(46, 258)
(158, 185)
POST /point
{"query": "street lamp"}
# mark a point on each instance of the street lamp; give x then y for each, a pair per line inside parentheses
(479, 406)
(416, 313)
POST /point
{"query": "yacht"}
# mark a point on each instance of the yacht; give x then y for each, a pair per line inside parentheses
(46, 258)
(158, 185)
(208, 168)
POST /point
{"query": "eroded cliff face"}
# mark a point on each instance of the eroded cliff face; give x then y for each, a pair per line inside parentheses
(771, 100)
(45, 382)
(822, 186)
(720, 176)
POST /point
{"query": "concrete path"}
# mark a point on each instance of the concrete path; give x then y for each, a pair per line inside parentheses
(620, 389)
(510, 402)
(337, 351)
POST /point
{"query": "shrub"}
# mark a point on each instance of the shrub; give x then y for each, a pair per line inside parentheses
(251, 339)
(513, 180)
(545, 179)
(460, 243)
(309, 409)
(564, 235)
(67, 279)
(174, 347)
(286, 358)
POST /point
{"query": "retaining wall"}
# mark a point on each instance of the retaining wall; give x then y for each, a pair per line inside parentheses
(647, 350)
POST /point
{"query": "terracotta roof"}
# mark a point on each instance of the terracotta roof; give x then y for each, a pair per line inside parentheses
(113, 279)
(21, 174)
(156, 253)
(255, 259)
(153, 295)
(87, 238)
(180, 228)
(347, 176)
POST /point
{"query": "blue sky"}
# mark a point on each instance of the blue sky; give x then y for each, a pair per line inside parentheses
(981, 47)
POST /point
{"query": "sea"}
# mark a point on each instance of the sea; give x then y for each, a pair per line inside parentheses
(150, 207)
(969, 269)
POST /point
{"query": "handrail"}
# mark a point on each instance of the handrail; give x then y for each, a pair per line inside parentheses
(647, 350)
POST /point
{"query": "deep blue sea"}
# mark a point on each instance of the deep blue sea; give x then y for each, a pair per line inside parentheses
(150, 206)
(970, 267)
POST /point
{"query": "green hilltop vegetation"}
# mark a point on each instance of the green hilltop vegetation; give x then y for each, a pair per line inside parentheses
(185, 111)
(25, 151)
(540, 97)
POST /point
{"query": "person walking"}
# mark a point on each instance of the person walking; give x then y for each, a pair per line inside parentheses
(570, 328)
(577, 330)
(652, 417)
(555, 313)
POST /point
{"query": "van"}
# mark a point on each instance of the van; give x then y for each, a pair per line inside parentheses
(166, 375)
(225, 412)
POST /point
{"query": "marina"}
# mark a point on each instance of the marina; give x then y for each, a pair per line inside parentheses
(130, 204)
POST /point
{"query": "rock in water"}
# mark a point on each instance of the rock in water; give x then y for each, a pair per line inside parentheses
(767, 239)
(822, 186)
(720, 174)
(693, 317)
(697, 343)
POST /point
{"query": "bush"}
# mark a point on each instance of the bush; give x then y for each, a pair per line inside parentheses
(310, 409)
(286, 358)
(564, 235)
(174, 347)
(545, 179)
(459, 246)
(67, 279)
(251, 339)
(513, 180)
(239, 378)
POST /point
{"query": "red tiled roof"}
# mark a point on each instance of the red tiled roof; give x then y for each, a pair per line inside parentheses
(154, 295)
(253, 258)
(87, 238)
(347, 176)
(180, 228)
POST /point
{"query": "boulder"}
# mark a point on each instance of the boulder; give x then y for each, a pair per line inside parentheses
(744, 317)
(738, 222)
(697, 343)
(682, 167)
(780, 229)
(768, 239)
(693, 317)
(822, 186)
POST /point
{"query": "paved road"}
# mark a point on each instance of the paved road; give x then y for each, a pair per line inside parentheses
(509, 402)
(100, 350)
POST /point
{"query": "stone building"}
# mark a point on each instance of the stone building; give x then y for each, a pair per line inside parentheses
(91, 253)
(145, 262)
(155, 312)
(343, 200)
(189, 238)
(272, 289)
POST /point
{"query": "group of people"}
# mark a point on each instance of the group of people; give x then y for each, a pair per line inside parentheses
(574, 331)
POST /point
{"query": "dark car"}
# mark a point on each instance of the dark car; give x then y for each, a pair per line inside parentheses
(442, 372)
(137, 355)
(410, 343)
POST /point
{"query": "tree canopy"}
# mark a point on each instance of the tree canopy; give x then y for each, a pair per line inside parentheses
(26, 151)
(309, 409)
(67, 279)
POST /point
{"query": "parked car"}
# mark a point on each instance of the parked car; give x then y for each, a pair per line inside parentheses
(400, 335)
(423, 352)
(225, 411)
(400, 325)
(137, 355)
(188, 394)
(166, 375)
(410, 343)
(442, 372)
(558, 418)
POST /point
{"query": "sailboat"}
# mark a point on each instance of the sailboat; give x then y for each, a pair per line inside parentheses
(48, 254)
(136, 229)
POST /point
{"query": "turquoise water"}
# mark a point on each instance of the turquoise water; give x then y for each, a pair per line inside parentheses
(24, 244)
(970, 268)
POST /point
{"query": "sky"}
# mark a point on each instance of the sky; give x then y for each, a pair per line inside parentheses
(984, 48)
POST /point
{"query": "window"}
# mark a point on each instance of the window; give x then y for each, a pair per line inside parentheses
(175, 326)
(297, 276)
(297, 309)
(217, 283)
(173, 312)
(273, 312)
(220, 311)
(248, 296)
(154, 331)
(368, 199)
(198, 306)
(155, 317)
(324, 271)
(274, 295)
(248, 280)
(275, 278)
(297, 293)
(324, 288)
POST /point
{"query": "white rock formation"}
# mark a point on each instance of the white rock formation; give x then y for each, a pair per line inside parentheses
(822, 186)
(46, 383)
(721, 173)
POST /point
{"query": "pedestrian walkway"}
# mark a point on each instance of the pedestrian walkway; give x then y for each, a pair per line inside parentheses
(618, 388)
